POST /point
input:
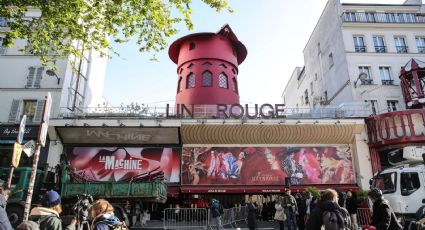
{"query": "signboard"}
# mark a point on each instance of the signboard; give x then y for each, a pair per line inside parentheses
(267, 165)
(118, 135)
(47, 107)
(43, 134)
(125, 164)
(9, 132)
(17, 150)
(21, 129)
(29, 148)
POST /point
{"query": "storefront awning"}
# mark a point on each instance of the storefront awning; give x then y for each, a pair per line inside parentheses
(265, 189)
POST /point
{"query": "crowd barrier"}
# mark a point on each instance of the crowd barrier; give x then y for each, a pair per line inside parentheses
(201, 218)
(363, 216)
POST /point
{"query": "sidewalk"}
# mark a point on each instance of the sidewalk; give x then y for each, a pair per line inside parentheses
(262, 225)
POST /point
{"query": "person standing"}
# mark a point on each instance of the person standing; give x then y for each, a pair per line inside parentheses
(4, 220)
(252, 214)
(383, 217)
(290, 206)
(302, 209)
(329, 213)
(279, 215)
(103, 216)
(216, 214)
(351, 204)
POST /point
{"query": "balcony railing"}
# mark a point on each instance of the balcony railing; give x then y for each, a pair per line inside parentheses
(348, 110)
(360, 49)
(401, 49)
(373, 17)
(388, 82)
(367, 82)
(381, 49)
(421, 49)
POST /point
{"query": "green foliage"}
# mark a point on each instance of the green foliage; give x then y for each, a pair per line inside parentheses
(362, 195)
(315, 192)
(55, 26)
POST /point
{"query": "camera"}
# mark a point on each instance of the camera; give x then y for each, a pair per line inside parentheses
(81, 210)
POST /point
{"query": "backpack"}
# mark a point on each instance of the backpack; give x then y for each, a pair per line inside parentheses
(120, 226)
(220, 209)
(33, 225)
(335, 220)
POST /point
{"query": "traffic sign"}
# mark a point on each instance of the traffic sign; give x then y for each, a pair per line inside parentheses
(29, 148)
(43, 134)
(17, 150)
(21, 129)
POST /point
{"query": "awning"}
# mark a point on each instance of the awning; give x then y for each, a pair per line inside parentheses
(260, 189)
(173, 191)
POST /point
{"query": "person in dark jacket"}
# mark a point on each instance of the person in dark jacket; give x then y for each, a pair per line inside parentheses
(103, 216)
(302, 209)
(215, 212)
(328, 203)
(351, 204)
(48, 215)
(4, 220)
(252, 214)
(383, 217)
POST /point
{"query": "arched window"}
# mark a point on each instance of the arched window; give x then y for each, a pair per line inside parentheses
(222, 81)
(207, 78)
(192, 46)
(223, 65)
(190, 66)
(190, 81)
(235, 85)
(179, 85)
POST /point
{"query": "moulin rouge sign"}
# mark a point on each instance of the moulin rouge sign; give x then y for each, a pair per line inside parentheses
(235, 111)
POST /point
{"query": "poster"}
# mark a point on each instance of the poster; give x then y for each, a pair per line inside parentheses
(125, 164)
(267, 165)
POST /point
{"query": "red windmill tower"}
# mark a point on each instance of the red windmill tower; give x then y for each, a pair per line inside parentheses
(207, 68)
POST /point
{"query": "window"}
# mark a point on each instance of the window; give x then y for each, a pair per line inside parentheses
(326, 96)
(34, 77)
(29, 109)
(370, 17)
(179, 85)
(378, 42)
(373, 106)
(386, 182)
(2, 48)
(222, 81)
(366, 70)
(392, 105)
(207, 64)
(359, 45)
(400, 45)
(190, 81)
(3, 22)
(32, 108)
(409, 183)
(192, 46)
(235, 85)
(306, 96)
(223, 65)
(331, 60)
(420, 43)
(350, 16)
(385, 75)
(207, 78)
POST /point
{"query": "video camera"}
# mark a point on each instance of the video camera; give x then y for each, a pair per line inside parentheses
(81, 210)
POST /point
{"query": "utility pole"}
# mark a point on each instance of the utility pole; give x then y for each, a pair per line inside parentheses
(41, 142)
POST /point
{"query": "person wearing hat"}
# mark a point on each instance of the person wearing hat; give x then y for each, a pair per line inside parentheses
(383, 217)
(47, 216)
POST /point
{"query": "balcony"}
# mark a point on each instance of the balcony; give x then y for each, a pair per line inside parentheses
(380, 49)
(369, 17)
(421, 49)
(360, 49)
(401, 49)
(367, 82)
(387, 82)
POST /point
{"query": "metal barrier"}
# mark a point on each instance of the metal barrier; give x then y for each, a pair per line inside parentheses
(185, 218)
(363, 216)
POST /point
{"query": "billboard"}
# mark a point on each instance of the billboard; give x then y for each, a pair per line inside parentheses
(267, 165)
(125, 164)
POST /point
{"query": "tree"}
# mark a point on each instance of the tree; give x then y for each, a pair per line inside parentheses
(54, 26)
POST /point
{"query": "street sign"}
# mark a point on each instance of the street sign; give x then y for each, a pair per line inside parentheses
(47, 106)
(29, 148)
(17, 150)
(43, 134)
(21, 129)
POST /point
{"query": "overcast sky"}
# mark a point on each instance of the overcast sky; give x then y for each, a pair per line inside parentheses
(274, 32)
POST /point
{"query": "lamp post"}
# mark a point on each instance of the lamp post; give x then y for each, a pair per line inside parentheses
(52, 73)
(362, 76)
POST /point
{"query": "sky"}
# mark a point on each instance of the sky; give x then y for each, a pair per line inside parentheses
(274, 32)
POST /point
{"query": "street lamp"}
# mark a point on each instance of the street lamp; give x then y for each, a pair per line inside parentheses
(362, 76)
(52, 73)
